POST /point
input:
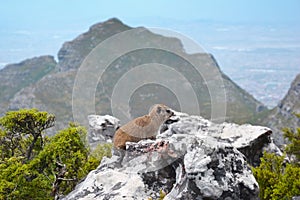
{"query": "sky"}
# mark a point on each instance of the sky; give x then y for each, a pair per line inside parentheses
(34, 27)
(42, 14)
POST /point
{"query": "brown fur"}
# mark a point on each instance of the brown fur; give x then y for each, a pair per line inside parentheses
(142, 121)
(145, 127)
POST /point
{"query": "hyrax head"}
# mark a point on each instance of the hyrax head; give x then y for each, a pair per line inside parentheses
(161, 112)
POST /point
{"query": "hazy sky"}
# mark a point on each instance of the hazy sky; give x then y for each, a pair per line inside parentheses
(43, 13)
(36, 27)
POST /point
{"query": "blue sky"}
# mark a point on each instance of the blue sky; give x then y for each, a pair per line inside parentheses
(37, 13)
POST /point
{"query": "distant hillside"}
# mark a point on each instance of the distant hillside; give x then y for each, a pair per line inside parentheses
(15, 77)
(283, 114)
(53, 91)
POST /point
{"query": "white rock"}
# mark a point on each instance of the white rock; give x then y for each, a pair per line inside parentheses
(192, 158)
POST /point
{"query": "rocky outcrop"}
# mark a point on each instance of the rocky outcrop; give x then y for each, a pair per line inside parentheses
(283, 115)
(101, 129)
(191, 158)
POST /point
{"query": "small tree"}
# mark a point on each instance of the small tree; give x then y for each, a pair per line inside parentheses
(64, 158)
(23, 132)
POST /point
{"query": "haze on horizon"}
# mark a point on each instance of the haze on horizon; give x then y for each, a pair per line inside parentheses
(61, 20)
(26, 14)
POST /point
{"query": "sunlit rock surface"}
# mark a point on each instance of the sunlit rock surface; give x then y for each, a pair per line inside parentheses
(191, 158)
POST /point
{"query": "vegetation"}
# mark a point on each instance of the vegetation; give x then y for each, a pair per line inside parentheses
(33, 166)
(22, 134)
(294, 147)
(277, 178)
(162, 195)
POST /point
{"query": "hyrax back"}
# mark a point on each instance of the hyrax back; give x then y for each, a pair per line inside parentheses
(144, 127)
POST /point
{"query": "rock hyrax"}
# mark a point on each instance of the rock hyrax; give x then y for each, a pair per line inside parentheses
(145, 127)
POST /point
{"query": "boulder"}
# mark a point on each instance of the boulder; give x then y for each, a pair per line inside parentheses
(191, 158)
(101, 129)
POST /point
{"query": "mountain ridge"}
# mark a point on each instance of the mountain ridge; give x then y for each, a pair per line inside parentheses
(283, 115)
(53, 92)
(15, 77)
(96, 34)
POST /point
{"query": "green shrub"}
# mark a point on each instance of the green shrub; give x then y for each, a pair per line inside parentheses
(35, 167)
(276, 178)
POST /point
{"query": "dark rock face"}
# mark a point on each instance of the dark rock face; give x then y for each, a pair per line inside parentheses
(191, 158)
(253, 151)
(283, 115)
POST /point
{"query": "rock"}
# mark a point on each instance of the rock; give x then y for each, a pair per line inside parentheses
(209, 172)
(191, 158)
(25, 98)
(101, 129)
(283, 115)
(273, 148)
(250, 140)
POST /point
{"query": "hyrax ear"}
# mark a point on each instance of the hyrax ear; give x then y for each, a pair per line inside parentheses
(158, 109)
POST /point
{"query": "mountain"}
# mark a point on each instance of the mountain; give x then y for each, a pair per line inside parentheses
(53, 89)
(15, 77)
(72, 53)
(283, 115)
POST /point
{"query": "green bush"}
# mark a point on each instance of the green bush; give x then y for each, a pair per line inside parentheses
(22, 132)
(35, 167)
(294, 147)
(276, 178)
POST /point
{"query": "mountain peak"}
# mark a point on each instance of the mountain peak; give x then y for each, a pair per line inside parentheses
(112, 22)
(54, 92)
(72, 53)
